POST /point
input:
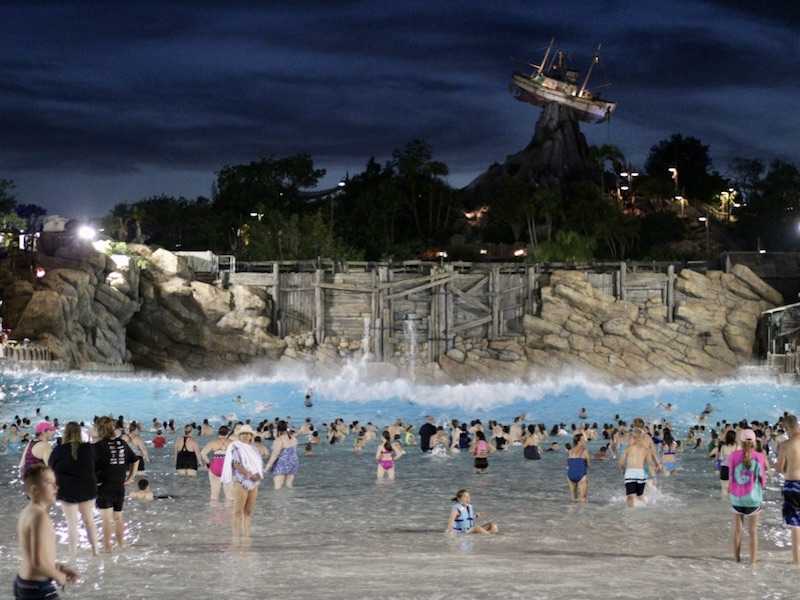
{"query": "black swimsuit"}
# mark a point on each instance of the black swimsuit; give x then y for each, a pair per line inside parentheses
(186, 459)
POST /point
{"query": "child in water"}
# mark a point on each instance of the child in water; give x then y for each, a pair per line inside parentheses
(39, 574)
(144, 492)
(462, 517)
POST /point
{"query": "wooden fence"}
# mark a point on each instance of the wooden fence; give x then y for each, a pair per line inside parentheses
(429, 303)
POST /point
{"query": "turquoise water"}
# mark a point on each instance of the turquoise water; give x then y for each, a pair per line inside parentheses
(338, 534)
(551, 401)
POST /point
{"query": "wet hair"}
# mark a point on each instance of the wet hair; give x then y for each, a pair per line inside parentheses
(577, 438)
(143, 483)
(223, 430)
(748, 447)
(187, 429)
(668, 439)
(283, 427)
(72, 436)
(459, 495)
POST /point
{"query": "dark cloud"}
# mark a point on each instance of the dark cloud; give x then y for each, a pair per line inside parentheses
(101, 101)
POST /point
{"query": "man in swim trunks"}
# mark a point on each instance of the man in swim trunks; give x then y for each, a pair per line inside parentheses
(789, 465)
(632, 462)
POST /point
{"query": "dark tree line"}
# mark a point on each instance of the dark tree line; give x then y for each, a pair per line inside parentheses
(273, 209)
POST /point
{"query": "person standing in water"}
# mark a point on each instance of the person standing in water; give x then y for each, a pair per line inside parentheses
(39, 574)
(135, 441)
(244, 469)
(187, 453)
(426, 432)
(668, 453)
(115, 466)
(73, 465)
(578, 468)
(633, 461)
(38, 449)
(218, 448)
(283, 463)
(386, 455)
(462, 517)
(789, 466)
(746, 491)
(481, 449)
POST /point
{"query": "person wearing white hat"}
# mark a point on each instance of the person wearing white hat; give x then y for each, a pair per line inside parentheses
(748, 477)
(244, 469)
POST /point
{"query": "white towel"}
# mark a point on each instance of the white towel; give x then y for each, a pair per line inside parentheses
(250, 457)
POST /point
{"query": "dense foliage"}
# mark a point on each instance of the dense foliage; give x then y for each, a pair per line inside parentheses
(271, 209)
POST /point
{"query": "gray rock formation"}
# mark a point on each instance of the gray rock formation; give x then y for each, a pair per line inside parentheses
(557, 148)
(583, 328)
(91, 309)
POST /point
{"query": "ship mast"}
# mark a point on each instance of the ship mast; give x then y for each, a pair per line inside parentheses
(546, 54)
(589, 72)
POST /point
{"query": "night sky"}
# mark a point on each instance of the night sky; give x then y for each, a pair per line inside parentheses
(108, 102)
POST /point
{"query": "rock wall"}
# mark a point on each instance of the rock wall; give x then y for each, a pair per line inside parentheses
(580, 327)
(90, 308)
(187, 327)
(78, 309)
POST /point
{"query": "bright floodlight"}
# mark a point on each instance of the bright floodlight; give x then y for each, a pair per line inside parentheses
(86, 233)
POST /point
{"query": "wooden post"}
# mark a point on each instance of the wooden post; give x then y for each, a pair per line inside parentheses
(433, 321)
(446, 339)
(495, 300)
(622, 269)
(277, 312)
(670, 292)
(319, 307)
(385, 313)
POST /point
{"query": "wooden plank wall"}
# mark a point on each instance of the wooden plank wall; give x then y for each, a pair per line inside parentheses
(442, 301)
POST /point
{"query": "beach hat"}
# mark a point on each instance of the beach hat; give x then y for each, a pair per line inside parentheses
(44, 426)
(747, 435)
(246, 429)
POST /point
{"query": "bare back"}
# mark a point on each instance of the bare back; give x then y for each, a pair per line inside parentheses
(789, 457)
(37, 541)
(635, 456)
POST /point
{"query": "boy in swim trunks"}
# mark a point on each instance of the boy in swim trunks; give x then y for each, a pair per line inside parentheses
(789, 465)
(632, 462)
(39, 575)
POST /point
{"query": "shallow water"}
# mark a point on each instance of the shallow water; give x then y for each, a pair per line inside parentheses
(339, 534)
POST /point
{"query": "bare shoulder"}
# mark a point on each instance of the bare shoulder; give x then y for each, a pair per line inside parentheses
(33, 518)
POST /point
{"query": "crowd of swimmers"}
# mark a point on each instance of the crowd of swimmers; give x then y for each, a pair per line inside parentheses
(90, 466)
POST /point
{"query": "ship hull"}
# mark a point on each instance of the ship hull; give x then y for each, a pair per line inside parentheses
(540, 90)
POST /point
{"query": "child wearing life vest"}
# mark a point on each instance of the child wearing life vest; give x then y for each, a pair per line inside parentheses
(462, 517)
